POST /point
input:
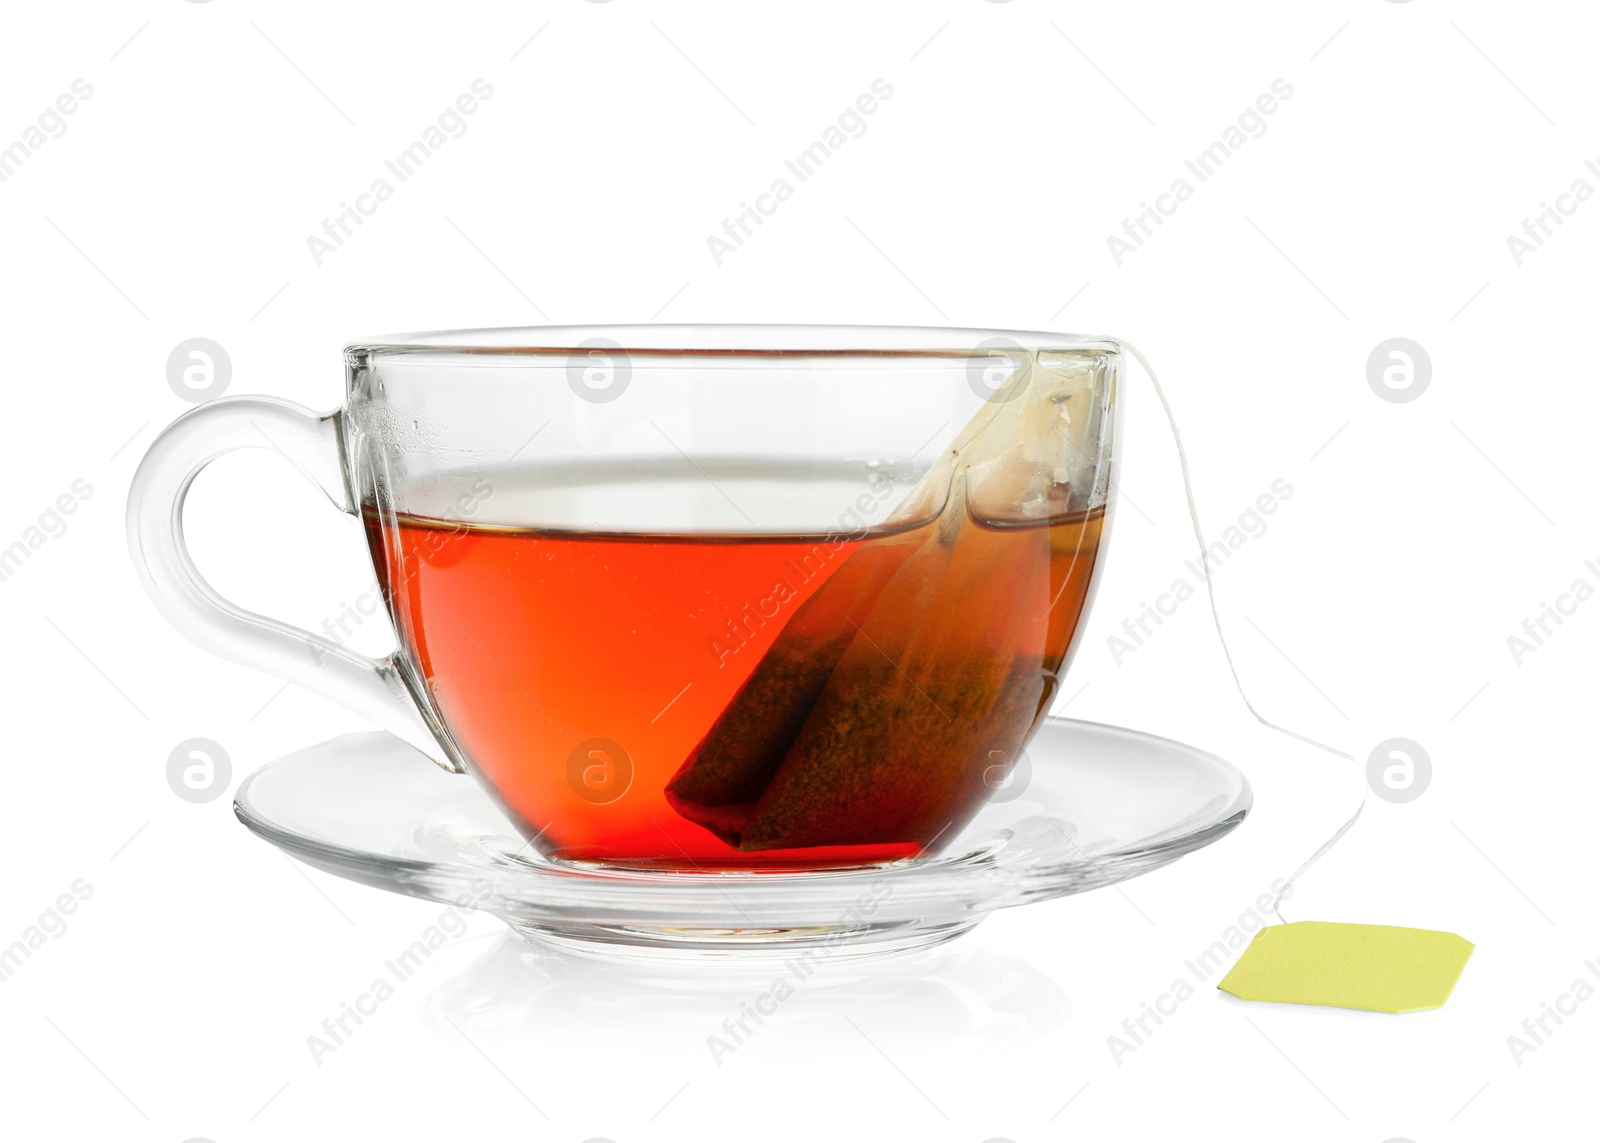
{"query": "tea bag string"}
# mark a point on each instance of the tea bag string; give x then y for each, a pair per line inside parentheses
(1216, 619)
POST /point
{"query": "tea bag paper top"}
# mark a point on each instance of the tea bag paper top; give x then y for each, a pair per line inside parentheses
(1377, 968)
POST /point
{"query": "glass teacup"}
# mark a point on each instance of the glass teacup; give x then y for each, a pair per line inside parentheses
(694, 597)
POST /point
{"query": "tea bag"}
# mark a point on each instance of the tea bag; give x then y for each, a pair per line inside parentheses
(904, 731)
(880, 703)
(922, 697)
(734, 762)
(727, 772)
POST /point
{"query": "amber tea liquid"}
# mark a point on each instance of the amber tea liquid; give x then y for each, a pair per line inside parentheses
(607, 685)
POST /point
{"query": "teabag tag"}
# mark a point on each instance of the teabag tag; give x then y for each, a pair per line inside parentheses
(1377, 968)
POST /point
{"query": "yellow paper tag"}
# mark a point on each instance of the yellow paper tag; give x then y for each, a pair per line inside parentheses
(1379, 968)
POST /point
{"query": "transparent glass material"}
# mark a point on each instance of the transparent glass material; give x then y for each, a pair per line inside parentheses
(1093, 806)
(694, 597)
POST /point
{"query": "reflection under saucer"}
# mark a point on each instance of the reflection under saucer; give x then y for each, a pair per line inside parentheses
(965, 998)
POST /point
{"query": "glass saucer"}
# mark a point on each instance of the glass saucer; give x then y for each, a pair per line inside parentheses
(1088, 806)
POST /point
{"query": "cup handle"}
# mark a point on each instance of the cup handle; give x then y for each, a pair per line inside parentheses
(371, 687)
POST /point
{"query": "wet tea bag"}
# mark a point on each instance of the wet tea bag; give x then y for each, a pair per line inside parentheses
(728, 770)
(882, 701)
(732, 765)
(922, 696)
(718, 784)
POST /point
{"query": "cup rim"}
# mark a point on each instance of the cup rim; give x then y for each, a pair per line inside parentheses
(760, 340)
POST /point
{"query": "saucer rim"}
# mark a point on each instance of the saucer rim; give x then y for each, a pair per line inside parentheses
(419, 876)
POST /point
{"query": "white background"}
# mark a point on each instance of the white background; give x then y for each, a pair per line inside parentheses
(1019, 136)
